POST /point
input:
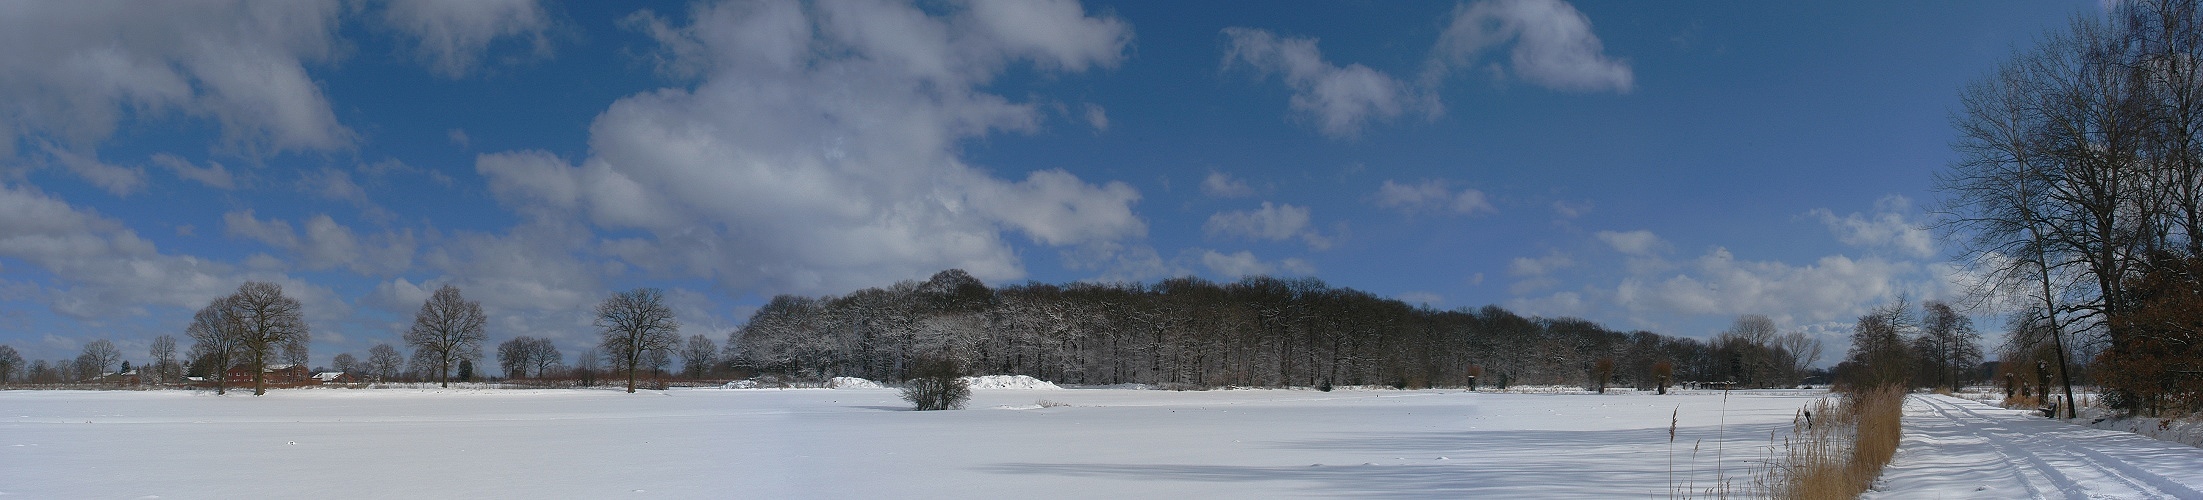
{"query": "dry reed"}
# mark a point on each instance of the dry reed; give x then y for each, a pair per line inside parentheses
(1837, 448)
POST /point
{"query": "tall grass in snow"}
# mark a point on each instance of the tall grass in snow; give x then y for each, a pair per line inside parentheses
(1837, 448)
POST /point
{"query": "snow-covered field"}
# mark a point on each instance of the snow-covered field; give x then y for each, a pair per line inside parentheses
(1956, 448)
(864, 443)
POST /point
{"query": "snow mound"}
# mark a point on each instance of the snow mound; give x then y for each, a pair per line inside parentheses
(851, 383)
(1010, 382)
(740, 384)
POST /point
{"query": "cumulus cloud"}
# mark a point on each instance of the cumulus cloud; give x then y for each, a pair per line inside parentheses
(71, 71)
(101, 269)
(1270, 223)
(818, 147)
(1432, 196)
(120, 181)
(1832, 288)
(1635, 243)
(451, 37)
(1341, 101)
(1537, 273)
(1244, 263)
(1223, 185)
(1887, 228)
(325, 243)
(1553, 46)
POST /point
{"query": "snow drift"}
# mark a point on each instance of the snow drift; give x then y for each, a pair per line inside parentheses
(1010, 382)
(851, 383)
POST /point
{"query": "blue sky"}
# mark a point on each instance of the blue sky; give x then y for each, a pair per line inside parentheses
(1651, 166)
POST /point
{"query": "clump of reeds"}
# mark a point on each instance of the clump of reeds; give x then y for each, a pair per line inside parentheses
(1837, 448)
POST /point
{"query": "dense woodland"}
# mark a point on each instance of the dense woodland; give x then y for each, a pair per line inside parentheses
(1258, 331)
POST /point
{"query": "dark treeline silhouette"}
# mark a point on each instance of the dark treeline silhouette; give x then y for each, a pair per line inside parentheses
(1259, 331)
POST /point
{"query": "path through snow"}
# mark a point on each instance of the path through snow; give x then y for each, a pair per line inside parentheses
(1954, 448)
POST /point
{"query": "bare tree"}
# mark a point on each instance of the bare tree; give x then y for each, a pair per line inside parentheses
(1948, 345)
(446, 331)
(345, 363)
(524, 353)
(268, 321)
(636, 326)
(383, 362)
(585, 367)
(544, 355)
(698, 356)
(1804, 350)
(99, 355)
(218, 338)
(11, 363)
(165, 368)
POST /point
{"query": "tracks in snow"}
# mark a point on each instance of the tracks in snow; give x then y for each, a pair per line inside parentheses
(2046, 457)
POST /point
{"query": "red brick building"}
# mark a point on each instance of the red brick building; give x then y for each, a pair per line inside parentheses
(276, 374)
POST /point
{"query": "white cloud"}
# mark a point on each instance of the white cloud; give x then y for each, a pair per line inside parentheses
(818, 147)
(1244, 263)
(1832, 288)
(450, 37)
(1097, 117)
(1340, 100)
(1270, 223)
(1432, 195)
(120, 181)
(1537, 274)
(1634, 243)
(1553, 45)
(72, 70)
(213, 175)
(326, 243)
(1886, 228)
(333, 184)
(100, 268)
(1572, 209)
(458, 137)
(1223, 185)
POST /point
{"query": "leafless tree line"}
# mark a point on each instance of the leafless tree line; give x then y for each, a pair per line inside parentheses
(1259, 331)
(2079, 180)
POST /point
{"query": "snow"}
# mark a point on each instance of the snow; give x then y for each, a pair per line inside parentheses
(865, 443)
(851, 383)
(1018, 382)
(1957, 448)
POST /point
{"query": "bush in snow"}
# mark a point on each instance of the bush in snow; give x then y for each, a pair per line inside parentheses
(937, 384)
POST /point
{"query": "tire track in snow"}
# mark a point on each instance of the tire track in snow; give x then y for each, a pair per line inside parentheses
(2032, 449)
(2141, 481)
(2013, 454)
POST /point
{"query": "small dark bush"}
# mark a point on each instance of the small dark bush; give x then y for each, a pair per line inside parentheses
(936, 384)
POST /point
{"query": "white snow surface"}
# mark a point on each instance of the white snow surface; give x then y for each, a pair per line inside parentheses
(1957, 448)
(1020, 382)
(866, 443)
(850, 383)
